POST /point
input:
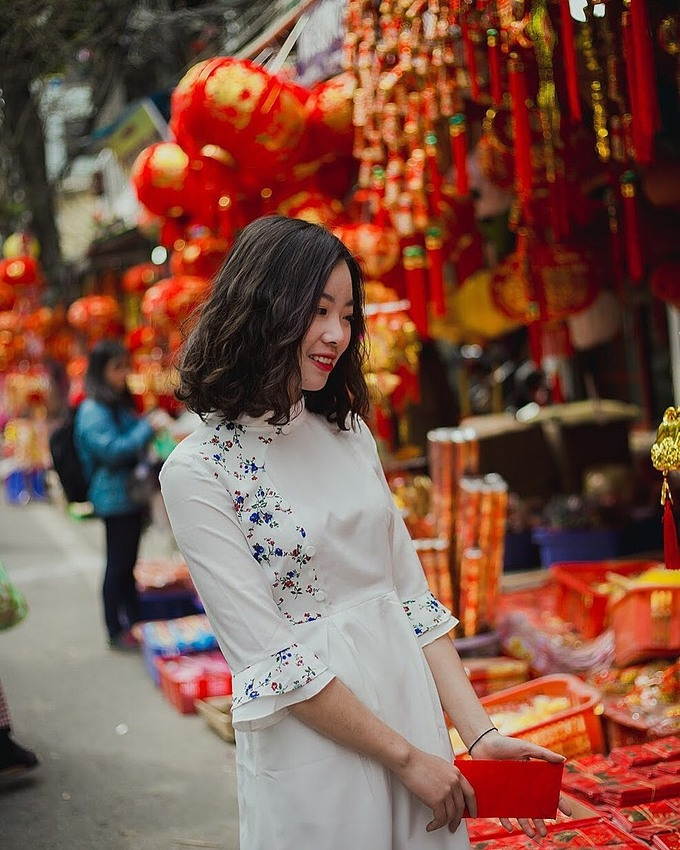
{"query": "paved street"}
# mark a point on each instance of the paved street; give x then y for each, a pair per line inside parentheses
(121, 769)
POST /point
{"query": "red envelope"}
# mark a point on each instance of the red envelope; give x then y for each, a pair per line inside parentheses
(513, 789)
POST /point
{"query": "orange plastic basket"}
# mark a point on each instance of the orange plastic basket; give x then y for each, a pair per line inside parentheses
(578, 599)
(646, 623)
(576, 731)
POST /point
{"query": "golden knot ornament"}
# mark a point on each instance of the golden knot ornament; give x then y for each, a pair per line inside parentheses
(666, 449)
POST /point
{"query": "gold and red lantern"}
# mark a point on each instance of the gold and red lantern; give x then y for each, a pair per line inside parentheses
(376, 246)
(21, 244)
(161, 178)
(545, 283)
(138, 278)
(95, 316)
(259, 119)
(312, 206)
(199, 257)
(172, 300)
(330, 106)
(20, 271)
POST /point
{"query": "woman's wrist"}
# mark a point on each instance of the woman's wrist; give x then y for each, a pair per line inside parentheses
(481, 739)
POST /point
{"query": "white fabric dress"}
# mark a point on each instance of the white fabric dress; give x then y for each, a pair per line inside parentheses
(307, 572)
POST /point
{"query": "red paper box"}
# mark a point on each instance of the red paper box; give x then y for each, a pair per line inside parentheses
(513, 789)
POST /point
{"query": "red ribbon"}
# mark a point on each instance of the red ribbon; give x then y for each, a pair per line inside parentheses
(671, 554)
(647, 117)
(631, 220)
(470, 60)
(520, 119)
(495, 80)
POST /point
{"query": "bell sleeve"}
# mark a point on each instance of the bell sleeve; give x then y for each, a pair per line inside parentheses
(428, 617)
(271, 669)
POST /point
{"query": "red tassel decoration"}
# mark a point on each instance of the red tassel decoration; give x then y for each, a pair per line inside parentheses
(647, 117)
(495, 80)
(435, 262)
(416, 287)
(671, 554)
(569, 56)
(522, 132)
(434, 177)
(636, 266)
(470, 60)
(457, 131)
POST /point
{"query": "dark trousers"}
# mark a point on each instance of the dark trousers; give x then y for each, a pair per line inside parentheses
(121, 601)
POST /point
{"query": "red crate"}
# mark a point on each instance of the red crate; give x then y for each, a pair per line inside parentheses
(578, 599)
(187, 678)
(646, 623)
(575, 731)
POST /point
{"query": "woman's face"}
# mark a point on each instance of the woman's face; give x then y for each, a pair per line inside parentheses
(329, 334)
(115, 373)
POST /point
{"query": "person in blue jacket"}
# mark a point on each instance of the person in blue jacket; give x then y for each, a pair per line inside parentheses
(110, 438)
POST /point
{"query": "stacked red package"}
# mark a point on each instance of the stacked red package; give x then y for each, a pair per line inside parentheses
(667, 841)
(590, 833)
(649, 820)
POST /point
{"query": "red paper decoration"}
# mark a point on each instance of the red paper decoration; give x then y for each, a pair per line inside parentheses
(138, 279)
(312, 206)
(20, 271)
(377, 247)
(329, 109)
(161, 177)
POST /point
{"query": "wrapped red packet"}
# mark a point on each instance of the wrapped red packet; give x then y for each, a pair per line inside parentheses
(590, 833)
(513, 789)
(667, 841)
(635, 789)
(664, 749)
(671, 767)
(647, 820)
(482, 828)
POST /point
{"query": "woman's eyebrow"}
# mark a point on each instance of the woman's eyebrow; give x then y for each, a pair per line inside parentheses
(330, 298)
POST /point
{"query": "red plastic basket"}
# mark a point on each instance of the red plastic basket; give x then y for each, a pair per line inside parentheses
(185, 679)
(578, 599)
(574, 732)
(646, 623)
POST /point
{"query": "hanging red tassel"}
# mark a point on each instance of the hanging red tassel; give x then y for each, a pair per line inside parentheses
(416, 287)
(671, 555)
(434, 186)
(520, 120)
(435, 262)
(470, 60)
(457, 131)
(495, 80)
(648, 116)
(570, 68)
(636, 266)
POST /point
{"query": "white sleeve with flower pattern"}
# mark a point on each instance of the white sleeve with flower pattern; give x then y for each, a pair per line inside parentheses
(271, 670)
(429, 618)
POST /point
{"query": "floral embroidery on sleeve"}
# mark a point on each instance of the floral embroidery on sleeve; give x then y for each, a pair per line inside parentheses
(425, 612)
(288, 670)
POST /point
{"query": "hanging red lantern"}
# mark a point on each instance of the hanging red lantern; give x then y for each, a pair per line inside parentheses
(95, 316)
(200, 257)
(545, 283)
(20, 271)
(171, 301)
(161, 178)
(40, 322)
(142, 340)
(312, 206)
(259, 119)
(329, 109)
(377, 247)
(7, 296)
(61, 344)
(138, 278)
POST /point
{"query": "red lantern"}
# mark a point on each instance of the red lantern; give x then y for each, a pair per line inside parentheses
(20, 271)
(234, 104)
(329, 107)
(171, 301)
(161, 177)
(200, 257)
(95, 315)
(377, 247)
(312, 206)
(61, 345)
(40, 322)
(142, 340)
(545, 283)
(138, 279)
(7, 296)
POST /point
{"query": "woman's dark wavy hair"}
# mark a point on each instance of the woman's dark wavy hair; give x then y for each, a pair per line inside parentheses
(95, 383)
(242, 354)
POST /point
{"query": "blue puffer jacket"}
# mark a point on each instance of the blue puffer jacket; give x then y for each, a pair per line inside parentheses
(109, 447)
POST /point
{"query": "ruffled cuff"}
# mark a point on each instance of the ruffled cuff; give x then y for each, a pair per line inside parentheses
(429, 618)
(263, 691)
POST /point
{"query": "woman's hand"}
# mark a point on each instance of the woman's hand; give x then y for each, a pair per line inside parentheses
(497, 746)
(440, 785)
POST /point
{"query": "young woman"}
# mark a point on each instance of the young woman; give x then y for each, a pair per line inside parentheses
(341, 659)
(109, 437)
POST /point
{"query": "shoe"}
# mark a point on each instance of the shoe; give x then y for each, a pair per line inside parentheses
(124, 642)
(15, 759)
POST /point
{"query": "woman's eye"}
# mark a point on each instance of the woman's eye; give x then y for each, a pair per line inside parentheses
(349, 318)
(321, 311)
